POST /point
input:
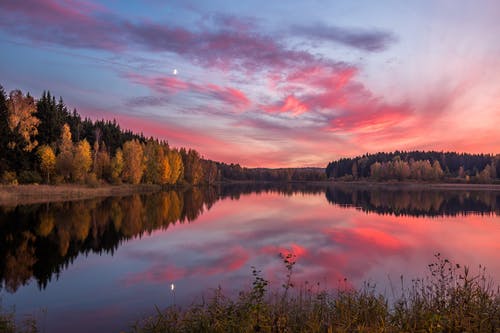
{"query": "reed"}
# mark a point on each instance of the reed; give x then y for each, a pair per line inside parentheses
(449, 299)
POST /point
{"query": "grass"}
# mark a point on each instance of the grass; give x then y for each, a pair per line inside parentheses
(31, 194)
(450, 299)
(8, 323)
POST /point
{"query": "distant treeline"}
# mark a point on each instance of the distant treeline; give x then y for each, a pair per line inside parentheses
(418, 165)
(41, 141)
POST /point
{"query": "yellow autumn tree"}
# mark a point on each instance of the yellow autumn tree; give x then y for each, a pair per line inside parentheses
(176, 166)
(64, 160)
(437, 171)
(133, 162)
(102, 162)
(47, 160)
(117, 166)
(165, 170)
(82, 161)
(22, 120)
(153, 157)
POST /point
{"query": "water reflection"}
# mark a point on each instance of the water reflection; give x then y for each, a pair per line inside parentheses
(41, 240)
(416, 202)
(127, 251)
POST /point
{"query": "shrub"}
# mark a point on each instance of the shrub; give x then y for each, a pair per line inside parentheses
(30, 177)
(9, 178)
(91, 180)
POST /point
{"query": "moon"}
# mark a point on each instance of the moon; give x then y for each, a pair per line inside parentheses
(175, 71)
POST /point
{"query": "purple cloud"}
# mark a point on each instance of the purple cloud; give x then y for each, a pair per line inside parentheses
(171, 85)
(141, 101)
(71, 23)
(75, 24)
(365, 40)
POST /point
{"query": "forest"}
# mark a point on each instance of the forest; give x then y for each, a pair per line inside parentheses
(430, 166)
(43, 141)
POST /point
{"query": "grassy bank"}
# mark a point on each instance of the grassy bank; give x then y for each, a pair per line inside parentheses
(451, 299)
(30, 194)
(395, 185)
(372, 184)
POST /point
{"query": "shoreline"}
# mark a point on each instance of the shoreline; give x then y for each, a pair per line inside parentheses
(388, 185)
(418, 186)
(13, 195)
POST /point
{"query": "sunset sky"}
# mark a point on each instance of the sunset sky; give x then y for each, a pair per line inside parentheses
(268, 83)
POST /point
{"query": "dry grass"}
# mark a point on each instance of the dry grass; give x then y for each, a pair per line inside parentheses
(395, 185)
(451, 299)
(12, 195)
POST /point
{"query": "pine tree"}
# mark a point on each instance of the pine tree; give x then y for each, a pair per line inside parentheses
(5, 136)
(52, 117)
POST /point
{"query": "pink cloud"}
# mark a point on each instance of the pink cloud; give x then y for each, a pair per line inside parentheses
(164, 84)
(370, 117)
(229, 261)
(228, 95)
(171, 85)
(293, 249)
(333, 91)
(290, 104)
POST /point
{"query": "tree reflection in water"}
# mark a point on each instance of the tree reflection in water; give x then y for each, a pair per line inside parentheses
(38, 241)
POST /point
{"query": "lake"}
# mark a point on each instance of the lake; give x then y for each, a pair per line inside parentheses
(98, 265)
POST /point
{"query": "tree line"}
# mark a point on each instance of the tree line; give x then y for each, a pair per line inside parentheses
(419, 166)
(43, 142)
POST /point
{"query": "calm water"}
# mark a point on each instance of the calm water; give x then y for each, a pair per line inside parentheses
(97, 265)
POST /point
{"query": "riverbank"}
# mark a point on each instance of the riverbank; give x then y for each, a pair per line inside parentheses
(450, 299)
(12, 195)
(386, 185)
(415, 185)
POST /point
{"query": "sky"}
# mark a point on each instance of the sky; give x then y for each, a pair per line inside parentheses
(268, 83)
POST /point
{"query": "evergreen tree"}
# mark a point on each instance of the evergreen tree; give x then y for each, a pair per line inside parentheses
(5, 136)
(52, 117)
